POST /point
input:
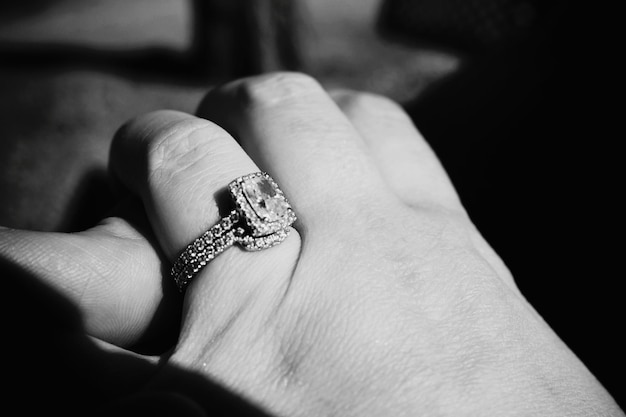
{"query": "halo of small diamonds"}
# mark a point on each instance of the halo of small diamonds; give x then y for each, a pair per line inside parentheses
(280, 215)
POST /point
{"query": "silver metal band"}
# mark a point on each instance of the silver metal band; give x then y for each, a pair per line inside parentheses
(261, 219)
(204, 249)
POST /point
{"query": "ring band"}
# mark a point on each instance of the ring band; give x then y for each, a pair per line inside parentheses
(261, 219)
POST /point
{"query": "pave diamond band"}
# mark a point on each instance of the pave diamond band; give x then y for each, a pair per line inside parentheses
(261, 219)
(204, 249)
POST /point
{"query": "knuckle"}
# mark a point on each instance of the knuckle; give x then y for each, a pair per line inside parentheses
(276, 88)
(173, 139)
(176, 147)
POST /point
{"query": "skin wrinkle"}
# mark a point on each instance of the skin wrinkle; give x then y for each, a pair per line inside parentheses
(293, 352)
(301, 232)
(289, 345)
(111, 251)
(217, 336)
(252, 371)
(165, 164)
(47, 263)
(87, 284)
(11, 247)
(92, 290)
(350, 386)
(290, 355)
(209, 357)
(87, 271)
(93, 271)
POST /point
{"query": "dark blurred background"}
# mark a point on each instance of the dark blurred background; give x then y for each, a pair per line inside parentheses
(513, 95)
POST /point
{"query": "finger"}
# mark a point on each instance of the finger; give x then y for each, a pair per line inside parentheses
(404, 158)
(180, 165)
(294, 130)
(177, 164)
(110, 271)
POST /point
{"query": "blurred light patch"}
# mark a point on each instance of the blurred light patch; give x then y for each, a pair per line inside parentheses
(119, 24)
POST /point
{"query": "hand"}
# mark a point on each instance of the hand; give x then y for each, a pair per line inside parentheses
(385, 300)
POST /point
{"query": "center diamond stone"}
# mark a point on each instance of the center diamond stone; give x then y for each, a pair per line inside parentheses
(264, 199)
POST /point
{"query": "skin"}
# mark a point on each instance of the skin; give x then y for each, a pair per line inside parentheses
(384, 299)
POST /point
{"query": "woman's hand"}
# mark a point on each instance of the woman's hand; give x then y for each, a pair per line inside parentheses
(384, 300)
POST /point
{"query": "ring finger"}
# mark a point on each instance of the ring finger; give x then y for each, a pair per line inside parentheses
(180, 165)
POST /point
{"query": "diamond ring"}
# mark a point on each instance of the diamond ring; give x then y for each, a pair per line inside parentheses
(261, 219)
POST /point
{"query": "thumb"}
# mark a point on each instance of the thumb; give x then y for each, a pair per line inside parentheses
(112, 272)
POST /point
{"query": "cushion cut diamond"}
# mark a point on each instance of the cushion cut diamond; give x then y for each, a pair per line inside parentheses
(264, 199)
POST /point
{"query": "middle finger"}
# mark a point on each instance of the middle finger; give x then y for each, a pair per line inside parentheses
(293, 129)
